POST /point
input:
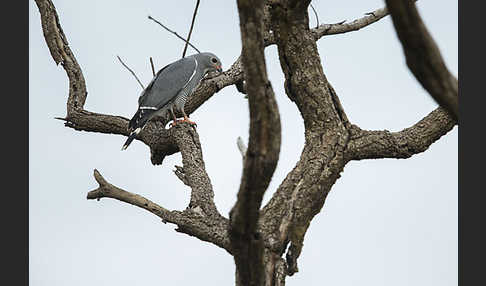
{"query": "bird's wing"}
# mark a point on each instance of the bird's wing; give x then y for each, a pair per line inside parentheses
(167, 83)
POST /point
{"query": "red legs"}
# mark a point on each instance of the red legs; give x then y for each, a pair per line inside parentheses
(186, 118)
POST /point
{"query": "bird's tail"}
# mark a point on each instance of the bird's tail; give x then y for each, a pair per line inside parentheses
(136, 124)
(132, 136)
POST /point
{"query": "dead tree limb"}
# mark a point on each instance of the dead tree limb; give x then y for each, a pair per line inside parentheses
(355, 25)
(190, 222)
(366, 144)
(154, 135)
(266, 243)
(201, 218)
(343, 27)
(263, 147)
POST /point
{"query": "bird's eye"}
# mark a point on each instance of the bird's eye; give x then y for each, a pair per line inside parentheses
(214, 60)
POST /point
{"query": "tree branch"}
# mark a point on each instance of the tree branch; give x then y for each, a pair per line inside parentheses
(423, 56)
(342, 27)
(177, 35)
(328, 133)
(61, 53)
(189, 221)
(131, 71)
(257, 239)
(107, 190)
(302, 194)
(263, 147)
(201, 219)
(202, 195)
(190, 30)
(154, 135)
(366, 144)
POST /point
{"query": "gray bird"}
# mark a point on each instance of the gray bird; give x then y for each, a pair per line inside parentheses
(169, 89)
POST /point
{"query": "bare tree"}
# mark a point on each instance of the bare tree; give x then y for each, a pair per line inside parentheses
(267, 241)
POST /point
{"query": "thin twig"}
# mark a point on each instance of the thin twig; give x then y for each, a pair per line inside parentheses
(315, 13)
(152, 64)
(190, 30)
(131, 72)
(177, 35)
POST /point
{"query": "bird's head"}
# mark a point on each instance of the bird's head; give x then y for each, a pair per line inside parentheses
(210, 62)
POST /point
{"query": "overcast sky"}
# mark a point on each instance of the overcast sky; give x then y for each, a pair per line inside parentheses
(385, 222)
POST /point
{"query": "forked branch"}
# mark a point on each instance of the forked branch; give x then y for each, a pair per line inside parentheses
(201, 218)
(189, 221)
(154, 135)
(257, 238)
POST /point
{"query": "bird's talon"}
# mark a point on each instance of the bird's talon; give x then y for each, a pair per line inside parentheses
(186, 119)
(174, 123)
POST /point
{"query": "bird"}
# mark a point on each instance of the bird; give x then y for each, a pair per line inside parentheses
(169, 89)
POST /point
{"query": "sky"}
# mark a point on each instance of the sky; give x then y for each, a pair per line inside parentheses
(385, 222)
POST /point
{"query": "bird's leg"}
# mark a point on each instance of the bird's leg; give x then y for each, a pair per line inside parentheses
(173, 116)
(186, 118)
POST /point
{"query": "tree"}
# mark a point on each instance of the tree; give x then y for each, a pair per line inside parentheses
(258, 237)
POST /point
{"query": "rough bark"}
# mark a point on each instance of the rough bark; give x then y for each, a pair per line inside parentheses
(263, 147)
(366, 144)
(302, 194)
(154, 135)
(200, 219)
(265, 242)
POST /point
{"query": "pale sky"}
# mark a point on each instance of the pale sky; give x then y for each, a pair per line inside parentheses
(385, 222)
